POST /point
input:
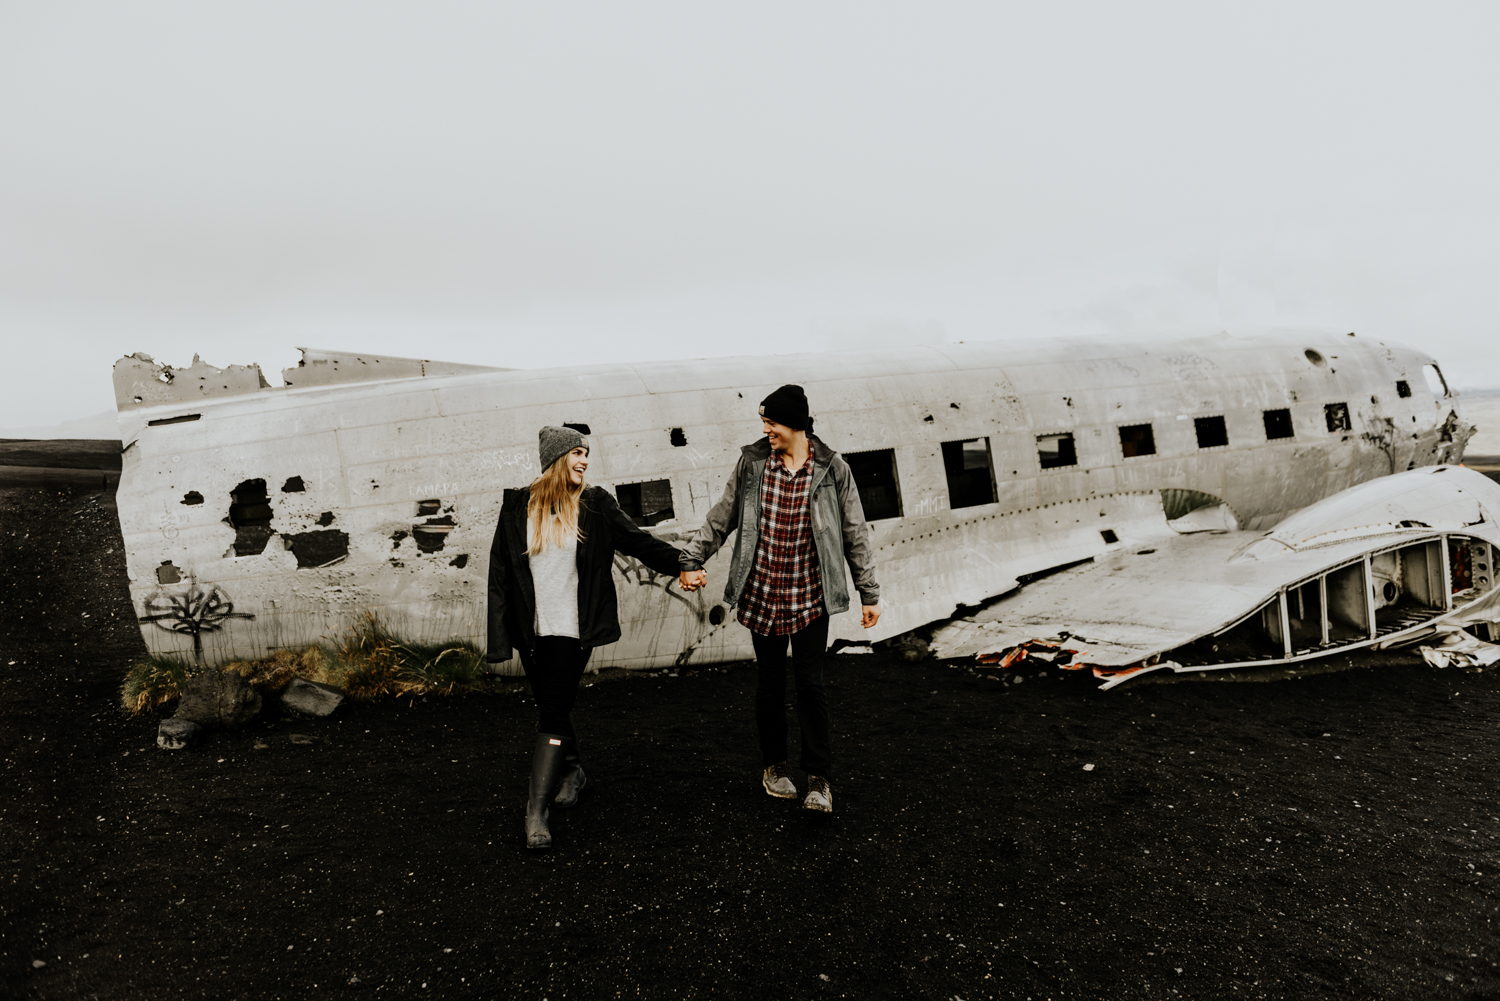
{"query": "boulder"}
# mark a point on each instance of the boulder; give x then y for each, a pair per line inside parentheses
(210, 698)
(174, 734)
(311, 697)
(911, 647)
(218, 697)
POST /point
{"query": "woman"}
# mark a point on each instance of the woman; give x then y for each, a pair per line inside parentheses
(552, 597)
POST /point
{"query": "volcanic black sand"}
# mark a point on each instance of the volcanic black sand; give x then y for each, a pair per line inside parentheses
(1329, 837)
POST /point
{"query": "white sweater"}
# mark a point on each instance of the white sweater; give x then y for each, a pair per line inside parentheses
(554, 577)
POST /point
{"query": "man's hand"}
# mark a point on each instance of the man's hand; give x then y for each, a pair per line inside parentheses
(869, 615)
(691, 580)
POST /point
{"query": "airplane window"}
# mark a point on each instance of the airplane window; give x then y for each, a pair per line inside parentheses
(1337, 415)
(1211, 431)
(875, 476)
(1403, 388)
(1278, 424)
(1056, 450)
(967, 464)
(1136, 439)
(1435, 380)
(648, 503)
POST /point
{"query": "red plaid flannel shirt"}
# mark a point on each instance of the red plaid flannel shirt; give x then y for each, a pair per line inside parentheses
(784, 593)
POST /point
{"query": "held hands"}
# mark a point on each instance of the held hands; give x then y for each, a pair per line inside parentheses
(691, 580)
(869, 615)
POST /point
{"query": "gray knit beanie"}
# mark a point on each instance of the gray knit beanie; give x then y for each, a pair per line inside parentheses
(554, 443)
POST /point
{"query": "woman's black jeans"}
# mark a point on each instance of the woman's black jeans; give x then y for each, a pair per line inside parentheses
(554, 667)
(808, 648)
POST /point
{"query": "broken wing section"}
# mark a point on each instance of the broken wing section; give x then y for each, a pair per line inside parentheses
(337, 368)
(141, 381)
(1384, 564)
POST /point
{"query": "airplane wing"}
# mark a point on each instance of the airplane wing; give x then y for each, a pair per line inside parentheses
(1383, 563)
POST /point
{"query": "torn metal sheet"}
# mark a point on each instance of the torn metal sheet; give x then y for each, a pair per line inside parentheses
(1460, 649)
(1392, 560)
(257, 518)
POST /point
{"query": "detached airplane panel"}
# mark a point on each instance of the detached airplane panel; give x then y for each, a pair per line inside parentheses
(1387, 562)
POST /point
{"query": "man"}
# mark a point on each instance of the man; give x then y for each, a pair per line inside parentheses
(787, 577)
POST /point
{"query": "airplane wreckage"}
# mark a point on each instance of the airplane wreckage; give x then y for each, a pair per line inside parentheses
(1186, 505)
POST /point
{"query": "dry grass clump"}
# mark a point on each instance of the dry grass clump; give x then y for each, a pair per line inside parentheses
(377, 663)
(441, 669)
(367, 663)
(270, 675)
(152, 681)
(371, 660)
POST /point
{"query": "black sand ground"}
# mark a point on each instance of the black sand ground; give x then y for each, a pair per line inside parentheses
(1332, 837)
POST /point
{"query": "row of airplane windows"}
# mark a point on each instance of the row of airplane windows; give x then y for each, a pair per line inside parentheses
(969, 469)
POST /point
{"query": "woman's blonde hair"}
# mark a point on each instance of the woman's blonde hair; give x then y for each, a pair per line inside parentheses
(553, 508)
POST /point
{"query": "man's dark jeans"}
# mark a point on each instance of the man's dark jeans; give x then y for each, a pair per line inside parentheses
(808, 648)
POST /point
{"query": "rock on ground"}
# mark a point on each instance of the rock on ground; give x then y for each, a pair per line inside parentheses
(311, 697)
(218, 698)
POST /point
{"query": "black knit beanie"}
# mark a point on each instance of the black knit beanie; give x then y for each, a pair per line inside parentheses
(788, 406)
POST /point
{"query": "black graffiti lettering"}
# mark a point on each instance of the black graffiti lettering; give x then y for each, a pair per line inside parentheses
(636, 572)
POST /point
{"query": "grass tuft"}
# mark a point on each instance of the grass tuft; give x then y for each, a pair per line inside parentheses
(270, 675)
(443, 669)
(367, 663)
(153, 681)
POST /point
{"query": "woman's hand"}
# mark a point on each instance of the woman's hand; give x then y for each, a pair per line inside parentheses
(691, 580)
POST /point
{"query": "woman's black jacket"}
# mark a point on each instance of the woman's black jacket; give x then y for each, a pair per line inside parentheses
(605, 529)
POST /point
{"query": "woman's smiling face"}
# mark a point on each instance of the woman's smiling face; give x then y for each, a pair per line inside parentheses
(577, 462)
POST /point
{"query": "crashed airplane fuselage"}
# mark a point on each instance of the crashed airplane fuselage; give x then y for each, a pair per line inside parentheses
(259, 518)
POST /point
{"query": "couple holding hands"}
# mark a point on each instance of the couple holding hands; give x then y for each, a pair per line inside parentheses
(552, 595)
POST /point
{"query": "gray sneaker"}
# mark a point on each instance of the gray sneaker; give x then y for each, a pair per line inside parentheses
(819, 795)
(777, 782)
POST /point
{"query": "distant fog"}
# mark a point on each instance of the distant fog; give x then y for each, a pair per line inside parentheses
(526, 185)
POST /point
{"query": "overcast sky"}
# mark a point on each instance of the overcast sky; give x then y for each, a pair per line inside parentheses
(545, 184)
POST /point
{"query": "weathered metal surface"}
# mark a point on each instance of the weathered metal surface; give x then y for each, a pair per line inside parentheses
(381, 496)
(1140, 604)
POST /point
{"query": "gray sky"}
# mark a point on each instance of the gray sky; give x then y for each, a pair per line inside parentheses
(526, 185)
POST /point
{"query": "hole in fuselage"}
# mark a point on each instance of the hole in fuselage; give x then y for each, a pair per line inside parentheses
(648, 503)
(318, 549)
(250, 514)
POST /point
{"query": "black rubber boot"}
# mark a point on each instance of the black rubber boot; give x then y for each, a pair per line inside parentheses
(573, 779)
(546, 773)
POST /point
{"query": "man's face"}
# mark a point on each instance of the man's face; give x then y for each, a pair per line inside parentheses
(781, 436)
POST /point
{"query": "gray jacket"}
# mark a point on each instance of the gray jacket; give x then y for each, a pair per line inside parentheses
(838, 527)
